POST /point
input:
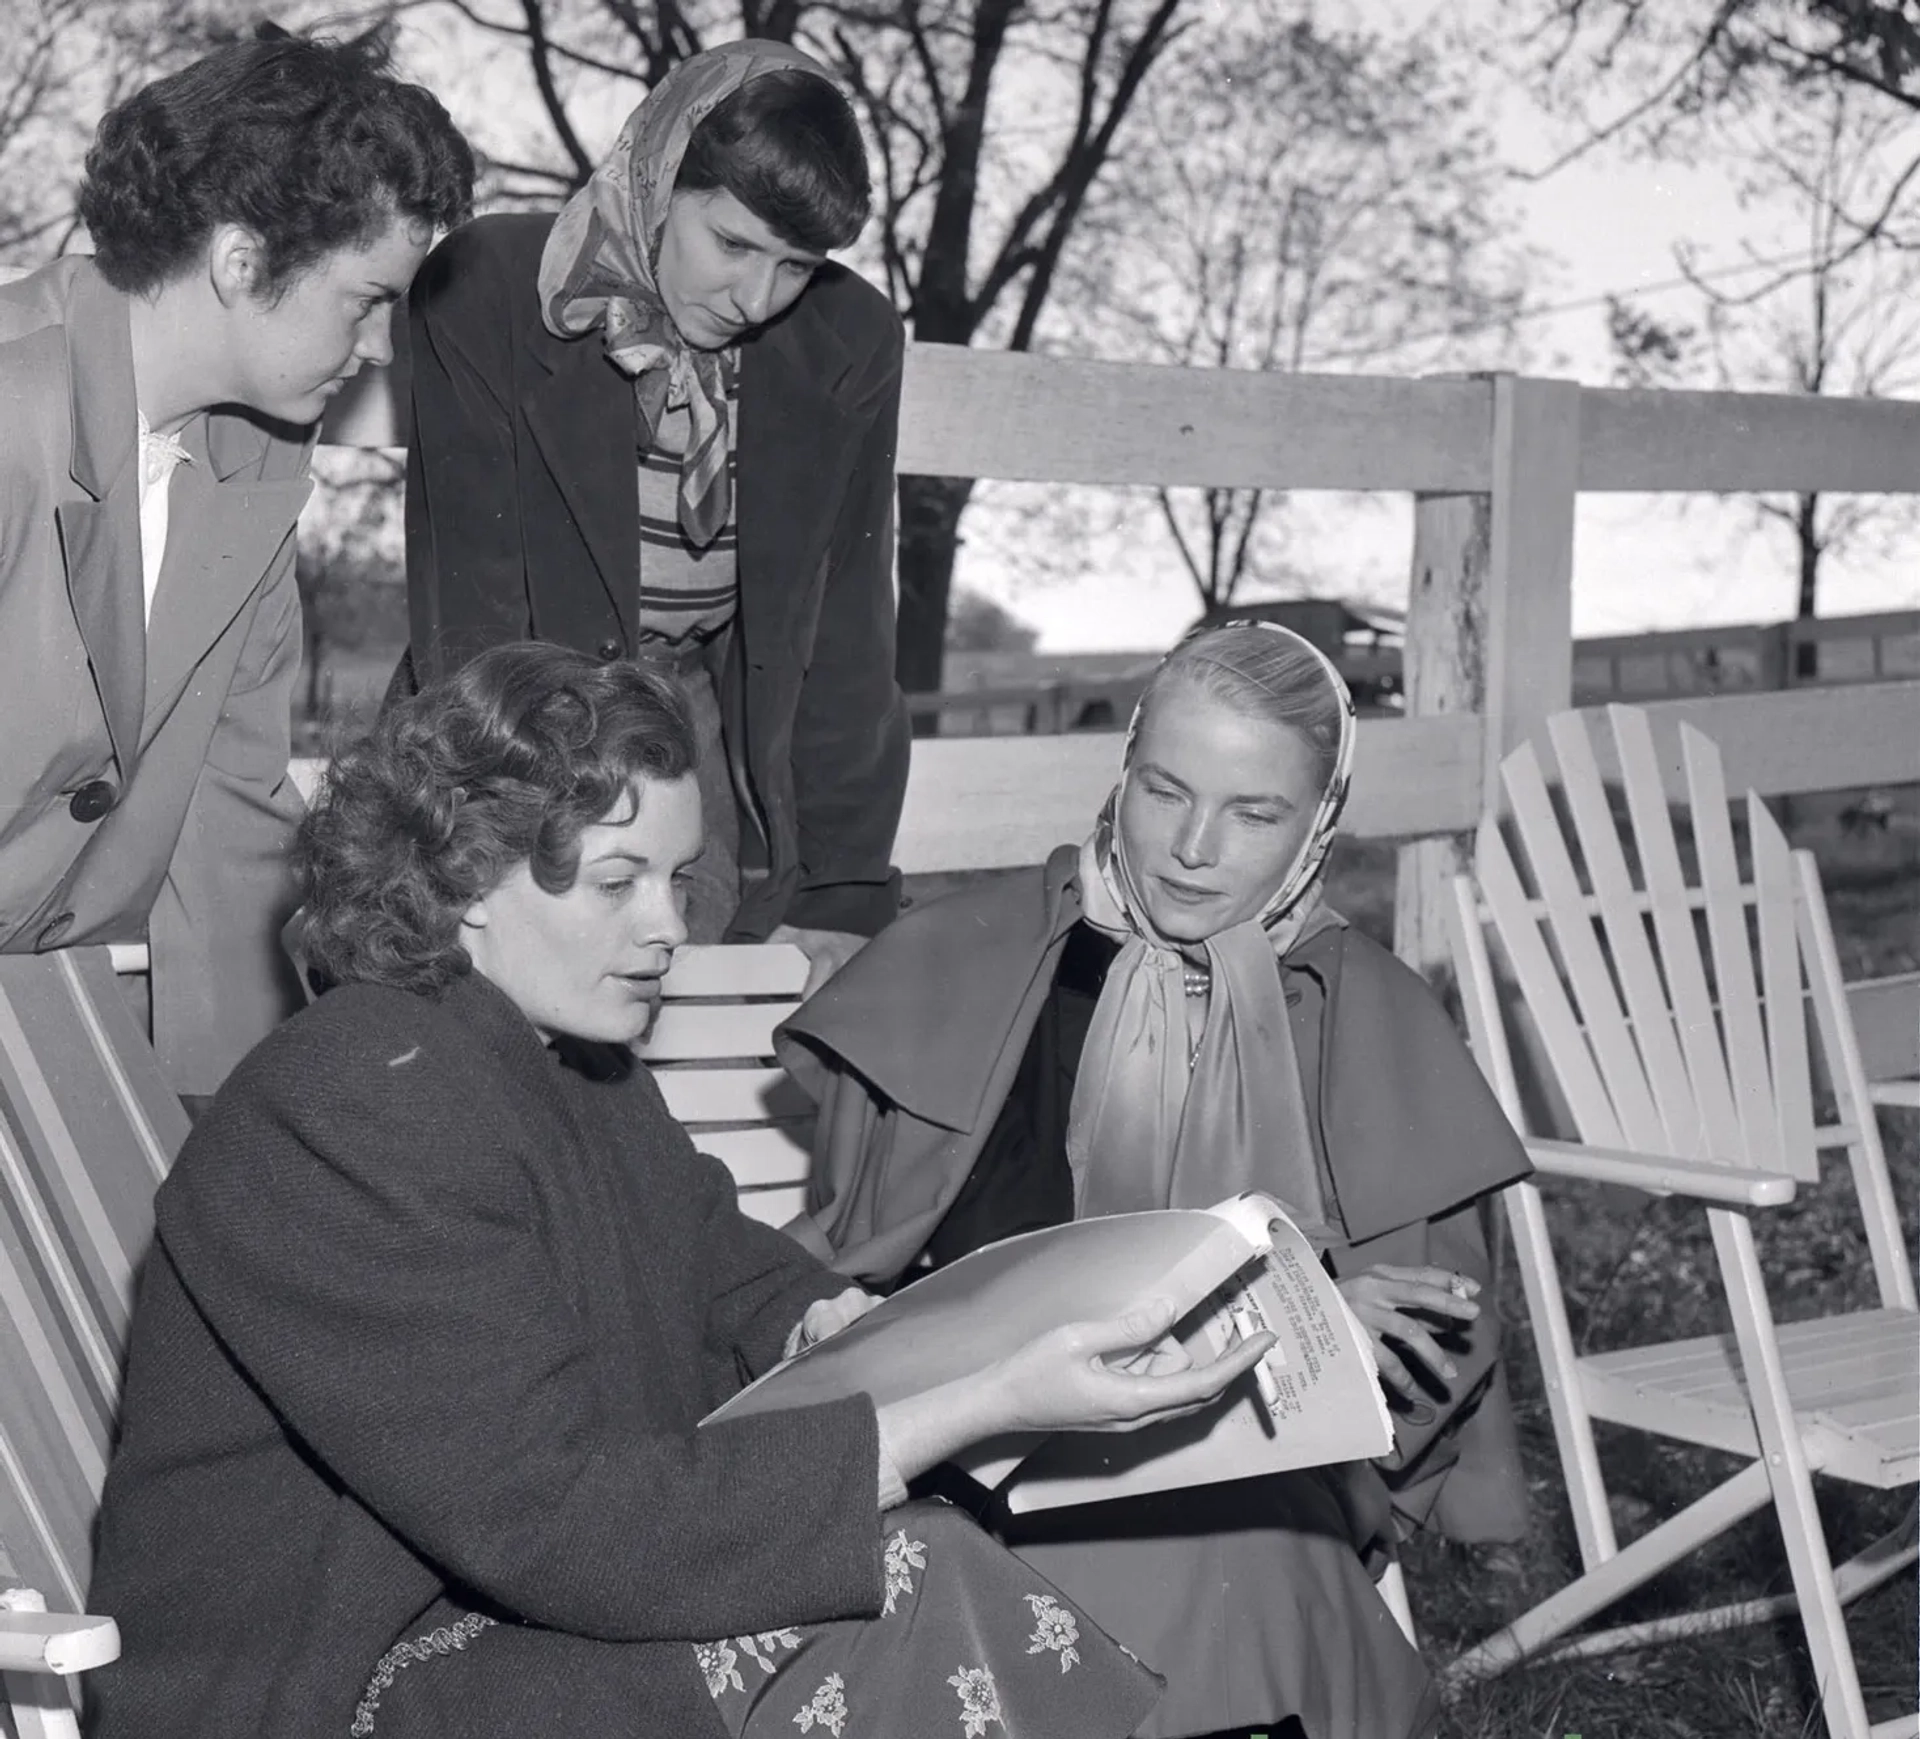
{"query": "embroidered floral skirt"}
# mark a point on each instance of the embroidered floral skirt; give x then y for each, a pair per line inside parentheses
(971, 1645)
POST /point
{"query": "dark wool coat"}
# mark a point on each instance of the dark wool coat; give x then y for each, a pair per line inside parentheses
(523, 520)
(434, 1313)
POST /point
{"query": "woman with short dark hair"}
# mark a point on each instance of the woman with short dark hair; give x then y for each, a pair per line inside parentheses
(662, 426)
(440, 1293)
(255, 217)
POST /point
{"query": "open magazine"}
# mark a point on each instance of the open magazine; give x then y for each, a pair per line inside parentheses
(1231, 1271)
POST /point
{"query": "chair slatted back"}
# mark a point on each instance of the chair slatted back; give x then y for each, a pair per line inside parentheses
(1663, 1045)
(711, 1050)
(88, 1128)
(1672, 1004)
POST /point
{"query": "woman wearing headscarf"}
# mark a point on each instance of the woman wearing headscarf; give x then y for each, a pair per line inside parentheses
(662, 426)
(1165, 1015)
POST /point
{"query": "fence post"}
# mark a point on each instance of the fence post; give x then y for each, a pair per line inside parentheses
(1490, 617)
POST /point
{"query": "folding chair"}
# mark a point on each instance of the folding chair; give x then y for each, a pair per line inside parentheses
(88, 1128)
(1672, 1014)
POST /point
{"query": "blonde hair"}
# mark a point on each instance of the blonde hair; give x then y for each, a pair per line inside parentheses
(1275, 675)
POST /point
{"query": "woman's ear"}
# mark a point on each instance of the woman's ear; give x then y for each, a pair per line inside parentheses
(236, 263)
(475, 917)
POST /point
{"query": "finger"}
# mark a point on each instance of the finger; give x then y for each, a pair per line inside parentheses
(1146, 1323)
(1448, 1280)
(1393, 1373)
(1412, 1294)
(1154, 1396)
(1421, 1344)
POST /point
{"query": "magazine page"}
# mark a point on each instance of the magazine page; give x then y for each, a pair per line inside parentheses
(961, 1318)
(1314, 1399)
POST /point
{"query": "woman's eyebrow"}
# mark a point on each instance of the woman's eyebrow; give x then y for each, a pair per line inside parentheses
(619, 854)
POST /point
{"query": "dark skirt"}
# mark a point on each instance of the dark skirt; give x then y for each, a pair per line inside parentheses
(1253, 1600)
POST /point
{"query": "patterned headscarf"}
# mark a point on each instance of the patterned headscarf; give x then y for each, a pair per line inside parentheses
(598, 267)
(1153, 1124)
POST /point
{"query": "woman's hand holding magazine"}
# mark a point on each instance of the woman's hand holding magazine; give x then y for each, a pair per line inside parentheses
(1061, 1380)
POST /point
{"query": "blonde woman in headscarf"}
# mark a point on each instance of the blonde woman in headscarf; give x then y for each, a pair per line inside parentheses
(662, 426)
(1167, 1014)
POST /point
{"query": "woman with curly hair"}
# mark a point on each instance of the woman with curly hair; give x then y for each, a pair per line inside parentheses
(440, 1293)
(254, 216)
(662, 426)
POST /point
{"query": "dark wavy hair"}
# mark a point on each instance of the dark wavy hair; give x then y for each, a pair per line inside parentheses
(313, 145)
(505, 762)
(787, 147)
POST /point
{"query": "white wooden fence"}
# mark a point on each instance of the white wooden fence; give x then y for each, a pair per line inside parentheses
(1495, 464)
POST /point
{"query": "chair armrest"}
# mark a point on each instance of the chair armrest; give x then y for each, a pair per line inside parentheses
(1660, 1176)
(56, 1642)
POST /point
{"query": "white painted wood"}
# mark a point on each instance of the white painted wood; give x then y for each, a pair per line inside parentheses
(761, 1158)
(737, 969)
(1658, 1175)
(1736, 994)
(1904, 1095)
(1805, 739)
(1832, 1008)
(1521, 940)
(1650, 1019)
(1784, 1006)
(697, 1094)
(1528, 640)
(1585, 970)
(773, 1207)
(1667, 1543)
(986, 413)
(1526, 1218)
(693, 1030)
(1657, 441)
(1783, 1453)
(33, 1640)
(1672, 904)
(989, 413)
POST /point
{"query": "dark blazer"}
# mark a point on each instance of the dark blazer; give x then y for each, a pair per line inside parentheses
(432, 1315)
(178, 729)
(522, 520)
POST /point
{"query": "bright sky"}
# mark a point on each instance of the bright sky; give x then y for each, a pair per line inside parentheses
(1609, 225)
(1605, 224)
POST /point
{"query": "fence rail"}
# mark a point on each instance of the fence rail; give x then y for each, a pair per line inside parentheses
(1495, 464)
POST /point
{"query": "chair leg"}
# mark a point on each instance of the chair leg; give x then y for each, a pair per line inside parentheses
(1784, 1460)
(1536, 1630)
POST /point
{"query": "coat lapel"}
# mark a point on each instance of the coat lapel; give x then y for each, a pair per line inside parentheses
(100, 537)
(584, 423)
(794, 446)
(224, 528)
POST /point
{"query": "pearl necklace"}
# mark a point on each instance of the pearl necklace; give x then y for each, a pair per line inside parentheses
(1197, 979)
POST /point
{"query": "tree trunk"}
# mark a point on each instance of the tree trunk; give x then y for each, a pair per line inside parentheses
(930, 510)
(1806, 654)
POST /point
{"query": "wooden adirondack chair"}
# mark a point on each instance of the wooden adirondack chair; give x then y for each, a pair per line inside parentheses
(89, 1129)
(1683, 1063)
